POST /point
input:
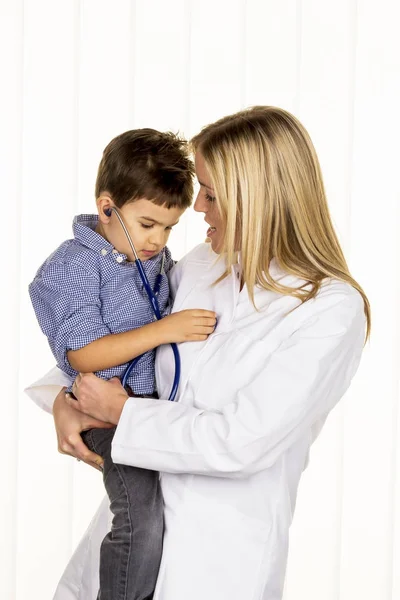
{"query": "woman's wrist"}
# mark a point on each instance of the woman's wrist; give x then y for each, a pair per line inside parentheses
(116, 409)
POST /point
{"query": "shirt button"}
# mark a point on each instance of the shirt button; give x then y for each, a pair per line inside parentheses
(119, 259)
(104, 252)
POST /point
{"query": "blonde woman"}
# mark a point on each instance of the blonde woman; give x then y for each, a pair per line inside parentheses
(292, 323)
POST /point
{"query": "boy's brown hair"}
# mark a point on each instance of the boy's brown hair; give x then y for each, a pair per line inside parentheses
(145, 163)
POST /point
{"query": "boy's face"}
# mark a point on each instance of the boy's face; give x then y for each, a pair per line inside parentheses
(149, 226)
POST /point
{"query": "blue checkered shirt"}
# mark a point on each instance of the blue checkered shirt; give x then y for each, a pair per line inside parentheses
(86, 289)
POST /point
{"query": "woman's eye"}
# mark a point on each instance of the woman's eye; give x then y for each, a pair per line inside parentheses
(146, 226)
(210, 198)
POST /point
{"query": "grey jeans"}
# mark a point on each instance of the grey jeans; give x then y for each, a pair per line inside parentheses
(131, 552)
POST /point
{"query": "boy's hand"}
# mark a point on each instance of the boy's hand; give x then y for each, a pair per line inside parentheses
(193, 325)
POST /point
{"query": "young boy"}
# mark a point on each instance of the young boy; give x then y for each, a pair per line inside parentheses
(90, 303)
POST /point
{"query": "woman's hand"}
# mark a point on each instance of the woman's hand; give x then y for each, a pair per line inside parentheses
(69, 424)
(98, 398)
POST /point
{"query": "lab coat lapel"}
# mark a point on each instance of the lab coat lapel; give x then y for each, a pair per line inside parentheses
(199, 292)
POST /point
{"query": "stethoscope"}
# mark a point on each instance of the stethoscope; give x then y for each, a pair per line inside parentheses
(152, 296)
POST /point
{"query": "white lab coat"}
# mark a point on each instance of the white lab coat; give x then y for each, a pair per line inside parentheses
(252, 399)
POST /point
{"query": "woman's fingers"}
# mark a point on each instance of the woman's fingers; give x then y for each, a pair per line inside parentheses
(97, 398)
(69, 424)
(74, 446)
(72, 402)
(90, 423)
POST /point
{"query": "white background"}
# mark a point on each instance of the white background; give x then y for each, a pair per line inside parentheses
(76, 73)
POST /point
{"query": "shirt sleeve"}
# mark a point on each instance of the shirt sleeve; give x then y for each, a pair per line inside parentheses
(66, 300)
(169, 261)
(296, 388)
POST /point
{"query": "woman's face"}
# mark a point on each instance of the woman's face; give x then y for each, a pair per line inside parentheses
(206, 203)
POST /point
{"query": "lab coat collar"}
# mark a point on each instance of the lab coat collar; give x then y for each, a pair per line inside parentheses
(201, 273)
(202, 270)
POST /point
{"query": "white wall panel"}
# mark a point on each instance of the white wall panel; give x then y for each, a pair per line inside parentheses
(48, 190)
(325, 98)
(105, 85)
(272, 53)
(11, 51)
(370, 419)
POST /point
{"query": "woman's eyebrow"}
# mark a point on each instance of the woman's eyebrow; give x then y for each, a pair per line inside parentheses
(205, 185)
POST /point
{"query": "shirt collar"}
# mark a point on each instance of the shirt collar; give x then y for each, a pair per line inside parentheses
(83, 227)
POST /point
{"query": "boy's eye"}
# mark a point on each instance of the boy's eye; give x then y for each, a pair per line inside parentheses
(210, 198)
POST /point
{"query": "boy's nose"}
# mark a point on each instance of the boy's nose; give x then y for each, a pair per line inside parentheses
(156, 238)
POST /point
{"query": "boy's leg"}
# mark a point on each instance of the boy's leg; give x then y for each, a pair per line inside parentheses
(131, 552)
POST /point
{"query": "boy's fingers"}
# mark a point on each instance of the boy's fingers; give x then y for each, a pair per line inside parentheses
(202, 322)
(200, 312)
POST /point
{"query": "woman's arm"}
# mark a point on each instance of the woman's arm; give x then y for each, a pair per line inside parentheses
(296, 388)
(48, 393)
(69, 424)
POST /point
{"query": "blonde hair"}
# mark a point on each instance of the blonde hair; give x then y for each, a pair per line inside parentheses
(269, 191)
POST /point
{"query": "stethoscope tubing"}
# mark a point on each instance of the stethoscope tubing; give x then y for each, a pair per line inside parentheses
(152, 296)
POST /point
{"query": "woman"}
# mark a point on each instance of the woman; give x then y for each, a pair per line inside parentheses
(291, 327)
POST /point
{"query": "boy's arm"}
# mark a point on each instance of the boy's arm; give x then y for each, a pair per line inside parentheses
(66, 300)
(116, 349)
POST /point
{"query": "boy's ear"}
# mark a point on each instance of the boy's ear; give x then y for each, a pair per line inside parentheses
(104, 204)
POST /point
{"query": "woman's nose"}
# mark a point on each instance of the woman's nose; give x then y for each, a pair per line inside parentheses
(200, 204)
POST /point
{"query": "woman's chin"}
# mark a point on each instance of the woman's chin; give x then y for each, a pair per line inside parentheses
(214, 245)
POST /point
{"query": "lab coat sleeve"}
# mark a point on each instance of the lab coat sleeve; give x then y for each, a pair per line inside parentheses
(44, 391)
(296, 388)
